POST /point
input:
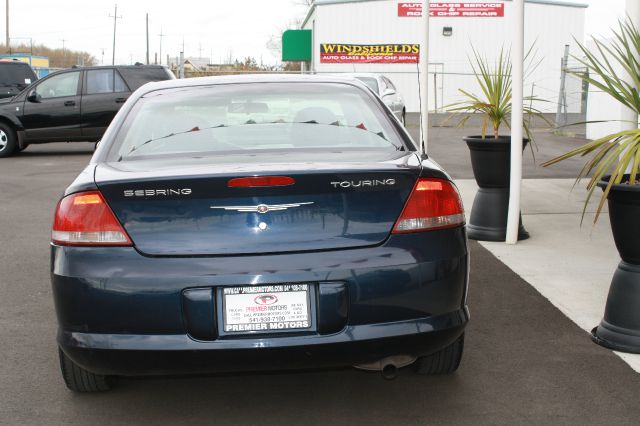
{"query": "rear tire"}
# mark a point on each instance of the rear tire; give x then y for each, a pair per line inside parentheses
(8, 140)
(445, 361)
(78, 379)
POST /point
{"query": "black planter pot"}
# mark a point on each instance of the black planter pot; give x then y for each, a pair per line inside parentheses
(491, 162)
(620, 327)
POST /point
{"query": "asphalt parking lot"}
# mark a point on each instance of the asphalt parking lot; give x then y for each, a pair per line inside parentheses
(524, 363)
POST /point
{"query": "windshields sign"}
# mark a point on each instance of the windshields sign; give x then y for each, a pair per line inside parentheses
(453, 10)
(338, 53)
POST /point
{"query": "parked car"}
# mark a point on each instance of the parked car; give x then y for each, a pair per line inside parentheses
(387, 91)
(248, 223)
(14, 77)
(71, 105)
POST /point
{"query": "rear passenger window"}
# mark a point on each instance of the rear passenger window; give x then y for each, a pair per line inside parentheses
(104, 81)
(389, 83)
(120, 85)
(99, 81)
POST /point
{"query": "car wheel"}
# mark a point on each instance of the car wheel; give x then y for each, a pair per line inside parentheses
(80, 380)
(445, 361)
(403, 120)
(8, 140)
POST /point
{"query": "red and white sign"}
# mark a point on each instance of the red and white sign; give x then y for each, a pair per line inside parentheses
(453, 10)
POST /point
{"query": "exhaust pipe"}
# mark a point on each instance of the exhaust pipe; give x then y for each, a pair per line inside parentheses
(388, 366)
(389, 372)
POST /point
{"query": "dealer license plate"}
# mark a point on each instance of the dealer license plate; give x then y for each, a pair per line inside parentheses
(266, 308)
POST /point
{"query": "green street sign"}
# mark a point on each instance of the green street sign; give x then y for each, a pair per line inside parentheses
(296, 45)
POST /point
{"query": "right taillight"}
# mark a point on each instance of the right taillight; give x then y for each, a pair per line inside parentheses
(433, 204)
(85, 219)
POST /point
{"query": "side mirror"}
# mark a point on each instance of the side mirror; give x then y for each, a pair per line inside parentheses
(388, 92)
(33, 96)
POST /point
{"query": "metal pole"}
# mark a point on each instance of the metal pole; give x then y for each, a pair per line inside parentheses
(161, 35)
(64, 54)
(115, 20)
(147, 20)
(181, 67)
(562, 96)
(423, 68)
(435, 91)
(7, 41)
(517, 120)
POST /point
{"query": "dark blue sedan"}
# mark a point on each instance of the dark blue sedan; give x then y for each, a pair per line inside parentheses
(257, 223)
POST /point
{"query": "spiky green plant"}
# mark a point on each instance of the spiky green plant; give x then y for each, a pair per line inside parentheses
(495, 102)
(616, 154)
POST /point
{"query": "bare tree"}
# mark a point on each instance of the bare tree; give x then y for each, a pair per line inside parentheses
(58, 58)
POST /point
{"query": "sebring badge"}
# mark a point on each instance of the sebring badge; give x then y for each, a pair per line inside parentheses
(261, 208)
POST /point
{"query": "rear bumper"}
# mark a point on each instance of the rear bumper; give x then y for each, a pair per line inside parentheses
(138, 355)
(125, 314)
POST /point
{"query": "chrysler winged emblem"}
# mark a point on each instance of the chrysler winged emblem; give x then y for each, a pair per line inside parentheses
(261, 208)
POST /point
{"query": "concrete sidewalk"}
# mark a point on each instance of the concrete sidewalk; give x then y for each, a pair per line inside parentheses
(569, 264)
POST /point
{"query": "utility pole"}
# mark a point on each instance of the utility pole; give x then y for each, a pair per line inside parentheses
(147, 39)
(161, 35)
(64, 54)
(7, 39)
(181, 66)
(115, 21)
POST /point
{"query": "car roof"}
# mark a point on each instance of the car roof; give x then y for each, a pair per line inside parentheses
(250, 78)
(97, 67)
(365, 74)
(11, 62)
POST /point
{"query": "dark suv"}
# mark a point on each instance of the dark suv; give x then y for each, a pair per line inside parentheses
(14, 77)
(71, 105)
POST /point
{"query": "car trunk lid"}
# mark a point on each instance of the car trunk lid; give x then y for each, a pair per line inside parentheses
(185, 207)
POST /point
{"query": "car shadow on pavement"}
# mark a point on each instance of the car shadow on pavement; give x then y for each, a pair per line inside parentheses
(57, 149)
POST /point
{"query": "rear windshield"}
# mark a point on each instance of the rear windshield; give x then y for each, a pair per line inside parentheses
(244, 117)
(137, 76)
(18, 74)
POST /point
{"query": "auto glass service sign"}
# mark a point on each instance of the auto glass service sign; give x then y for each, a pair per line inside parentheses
(453, 10)
(339, 53)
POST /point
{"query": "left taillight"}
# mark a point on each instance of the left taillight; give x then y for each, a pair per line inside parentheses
(433, 204)
(85, 219)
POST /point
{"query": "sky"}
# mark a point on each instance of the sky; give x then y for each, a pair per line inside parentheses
(213, 28)
(210, 28)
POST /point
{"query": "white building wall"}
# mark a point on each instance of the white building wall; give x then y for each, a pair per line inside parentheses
(364, 22)
(604, 108)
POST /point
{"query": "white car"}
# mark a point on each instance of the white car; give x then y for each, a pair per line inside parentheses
(387, 91)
